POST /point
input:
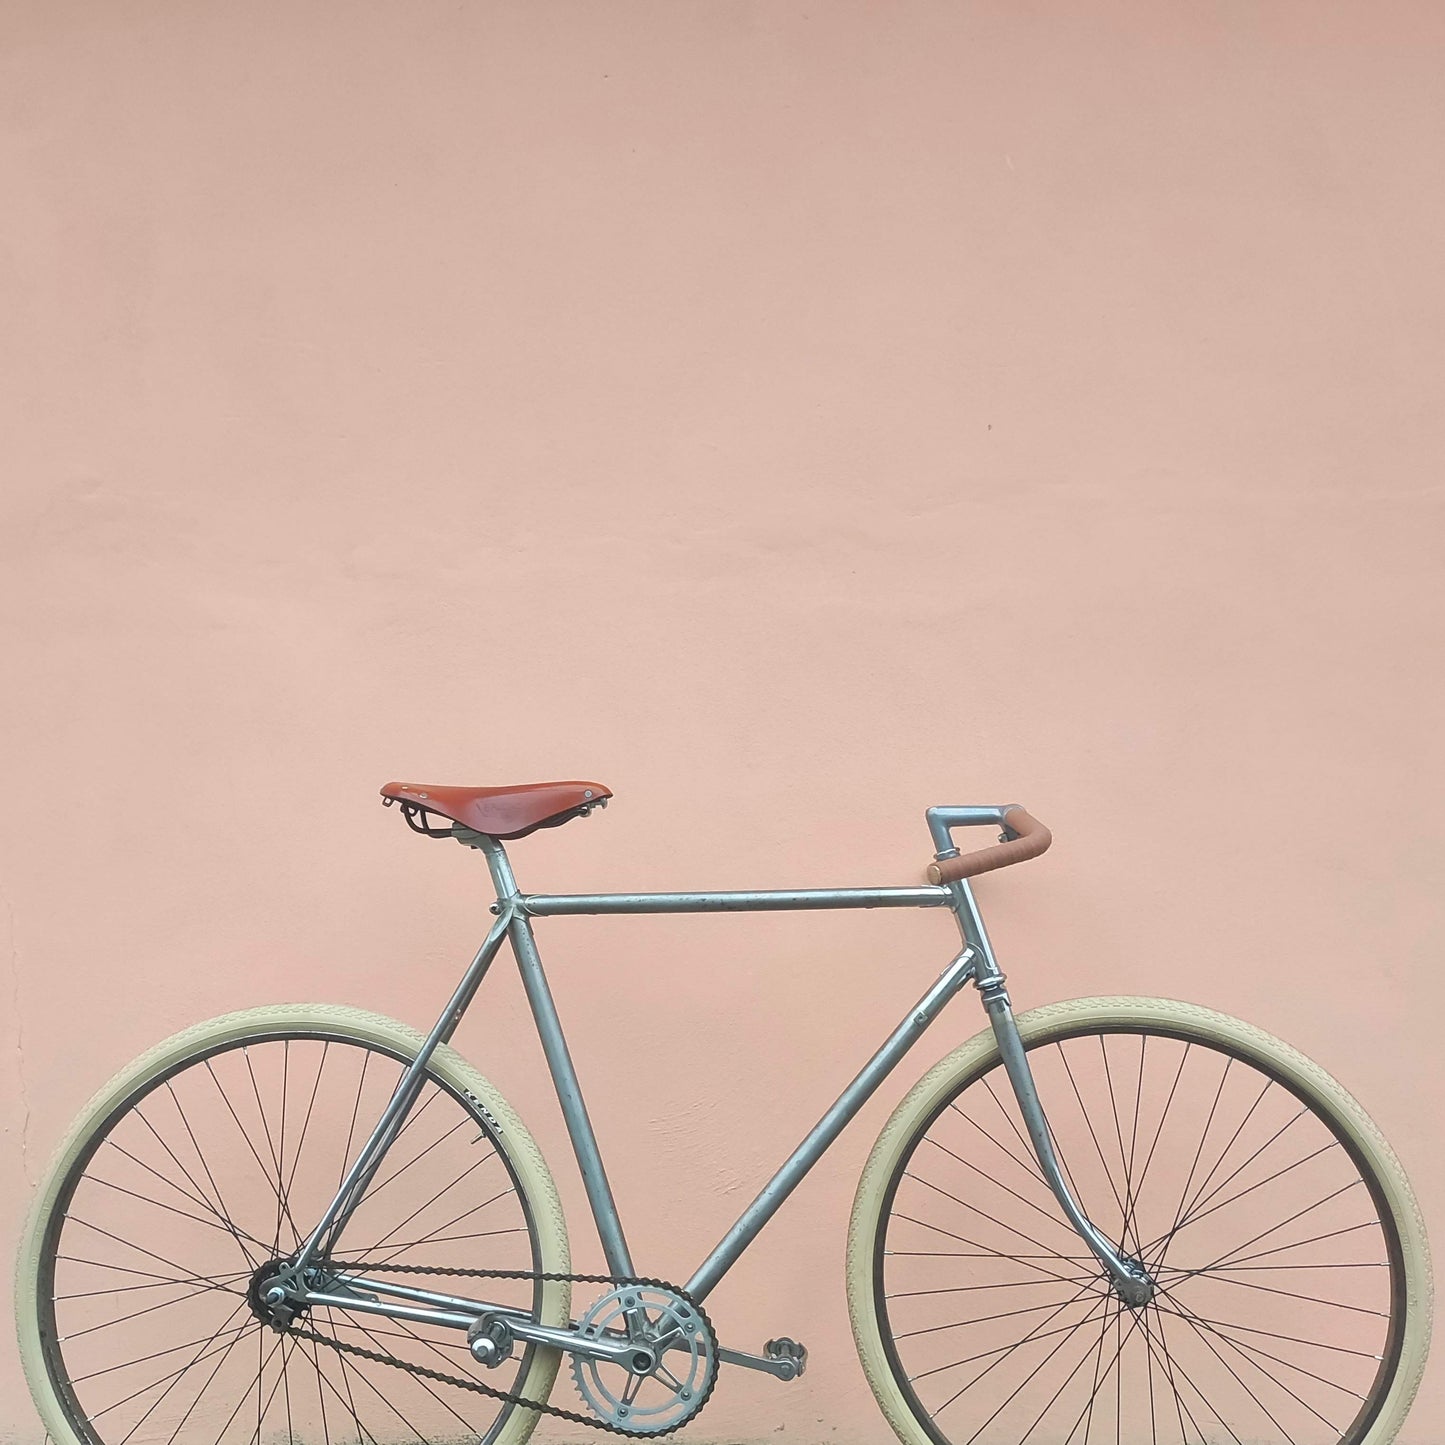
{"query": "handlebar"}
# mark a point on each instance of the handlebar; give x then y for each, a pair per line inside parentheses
(1024, 838)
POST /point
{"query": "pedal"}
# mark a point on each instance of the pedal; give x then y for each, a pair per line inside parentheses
(790, 1357)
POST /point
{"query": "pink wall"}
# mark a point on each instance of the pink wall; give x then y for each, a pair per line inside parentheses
(791, 416)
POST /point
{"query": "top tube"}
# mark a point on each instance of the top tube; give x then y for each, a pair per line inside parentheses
(549, 905)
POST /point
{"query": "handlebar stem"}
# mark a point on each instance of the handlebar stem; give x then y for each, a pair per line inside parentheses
(942, 820)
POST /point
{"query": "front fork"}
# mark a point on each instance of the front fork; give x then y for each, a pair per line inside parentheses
(1130, 1279)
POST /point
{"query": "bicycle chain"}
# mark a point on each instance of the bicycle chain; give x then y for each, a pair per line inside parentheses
(508, 1396)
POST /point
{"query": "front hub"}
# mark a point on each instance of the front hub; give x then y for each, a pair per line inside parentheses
(1137, 1288)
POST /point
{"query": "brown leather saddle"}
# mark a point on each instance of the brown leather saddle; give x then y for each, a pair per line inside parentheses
(497, 812)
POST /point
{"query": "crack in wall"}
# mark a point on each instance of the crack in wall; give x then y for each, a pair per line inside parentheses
(20, 1071)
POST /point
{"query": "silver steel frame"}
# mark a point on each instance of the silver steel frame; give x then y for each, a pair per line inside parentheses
(514, 914)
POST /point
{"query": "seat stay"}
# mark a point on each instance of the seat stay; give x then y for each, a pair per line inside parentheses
(368, 1161)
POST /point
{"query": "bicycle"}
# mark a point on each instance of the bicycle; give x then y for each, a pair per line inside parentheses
(1203, 1237)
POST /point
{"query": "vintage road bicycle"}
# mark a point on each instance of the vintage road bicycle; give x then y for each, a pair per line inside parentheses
(1107, 1219)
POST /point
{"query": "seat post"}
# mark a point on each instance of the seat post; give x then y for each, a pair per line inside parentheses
(500, 868)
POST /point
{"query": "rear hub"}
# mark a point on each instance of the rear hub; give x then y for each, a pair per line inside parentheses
(269, 1294)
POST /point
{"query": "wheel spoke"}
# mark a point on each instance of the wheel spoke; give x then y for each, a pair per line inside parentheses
(129, 1244)
(433, 1238)
(171, 1209)
(1264, 1409)
(1233, 1254)
(190, 1409)
(992, 1218)
(420, 1380)
(1197, 1210)
(1054, 1349)
(230, 1109)
(286, 1384)
(1130, 1186)
(195, 1198)
(1086, 1415)
(1126, 1204)
(282, 1208)
(1223, 1155)
(373, 1190)
(1159, 1130)
(1023, 1259)
(306, 1121)
(202, 1345)
(1037, 1333)
(1067, 1381)
(351, 1127)
(263, 1407)
(309, 1349)
(283, 1213)
(1236, 1261)
(1294, 1294)
(988, 1319)
(1278, 1174)
(1199, 1152)
(1089, 1123)
(350, 1322)
(962, 1288)
(219, 1281)
(393, 1249)
(445, 1190)
(1052, 1215)
(136, 1314)
(221, 1208)
(1168, 1363)
(346, 1373)
(1223, 1327)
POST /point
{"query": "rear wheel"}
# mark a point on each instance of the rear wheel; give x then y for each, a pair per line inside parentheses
(1292, 1274)
(205, 1162)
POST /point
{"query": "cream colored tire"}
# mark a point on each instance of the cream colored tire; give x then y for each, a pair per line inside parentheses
(1183, 1021)
(328, 1021)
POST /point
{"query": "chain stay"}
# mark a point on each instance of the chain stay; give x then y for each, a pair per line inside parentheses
(507, 1396)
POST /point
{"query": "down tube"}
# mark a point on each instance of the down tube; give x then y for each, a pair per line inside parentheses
(827, 1129)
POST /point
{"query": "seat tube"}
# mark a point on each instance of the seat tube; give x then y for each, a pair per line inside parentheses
(564, 1075)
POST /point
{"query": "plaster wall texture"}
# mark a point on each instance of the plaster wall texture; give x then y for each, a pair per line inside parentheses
(791, 416)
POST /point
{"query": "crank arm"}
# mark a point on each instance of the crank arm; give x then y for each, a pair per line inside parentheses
(616, 1348)
(781, 1366)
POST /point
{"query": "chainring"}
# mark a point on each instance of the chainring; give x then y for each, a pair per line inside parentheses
(680, 1337)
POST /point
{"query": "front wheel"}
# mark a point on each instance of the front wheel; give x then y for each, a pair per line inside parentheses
(208, 1160)
(1292, 1294)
